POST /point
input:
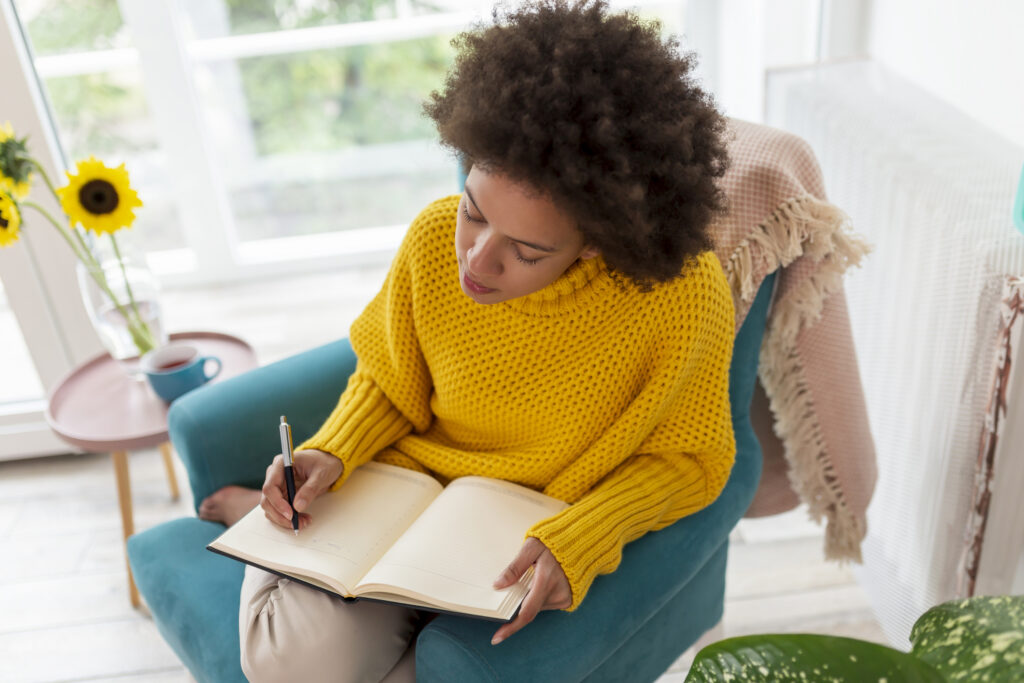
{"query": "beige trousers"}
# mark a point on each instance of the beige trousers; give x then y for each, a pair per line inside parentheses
(291, 632)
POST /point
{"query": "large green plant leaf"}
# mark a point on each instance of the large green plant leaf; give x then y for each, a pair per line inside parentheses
(806, 658)
(979, 639)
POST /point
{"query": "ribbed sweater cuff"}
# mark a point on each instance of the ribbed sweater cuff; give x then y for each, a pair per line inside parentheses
(363, 423)
(587, 537)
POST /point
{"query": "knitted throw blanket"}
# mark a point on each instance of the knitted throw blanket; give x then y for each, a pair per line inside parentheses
(779, 219)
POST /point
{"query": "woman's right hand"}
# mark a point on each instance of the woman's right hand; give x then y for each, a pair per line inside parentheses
(315, 472)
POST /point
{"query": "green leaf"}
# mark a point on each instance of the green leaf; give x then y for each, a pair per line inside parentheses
(979, 639)
(807, 658)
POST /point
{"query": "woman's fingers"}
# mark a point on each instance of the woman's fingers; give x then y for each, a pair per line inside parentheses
(314, 473)
(272, 499)
(528, 554)
(532, 604)
(316, 482)
(549, 588)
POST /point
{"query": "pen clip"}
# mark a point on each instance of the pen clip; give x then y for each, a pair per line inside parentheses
(286, 442)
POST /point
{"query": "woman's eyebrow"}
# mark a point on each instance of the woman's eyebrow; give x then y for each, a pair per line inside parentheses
(538, 247)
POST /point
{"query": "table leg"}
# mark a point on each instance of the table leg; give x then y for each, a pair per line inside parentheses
(172, 480)
(124, 497)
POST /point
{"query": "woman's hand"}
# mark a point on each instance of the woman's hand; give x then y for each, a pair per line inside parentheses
(314, 472)
(549, 590)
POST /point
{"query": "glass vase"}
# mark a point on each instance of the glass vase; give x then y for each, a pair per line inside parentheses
(132, 325)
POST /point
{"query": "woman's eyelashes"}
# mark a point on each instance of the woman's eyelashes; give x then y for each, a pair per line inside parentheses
(519, 257)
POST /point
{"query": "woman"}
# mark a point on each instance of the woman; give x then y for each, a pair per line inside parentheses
(562, 324)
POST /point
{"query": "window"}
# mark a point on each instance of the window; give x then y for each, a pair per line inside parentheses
(258, 131)
(248, 124)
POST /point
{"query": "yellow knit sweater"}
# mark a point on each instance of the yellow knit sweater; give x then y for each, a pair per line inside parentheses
(611, 399)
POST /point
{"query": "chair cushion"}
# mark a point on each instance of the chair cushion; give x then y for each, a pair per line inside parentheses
(192, 594)
(226, 432)
(653, 648)
(743, 369)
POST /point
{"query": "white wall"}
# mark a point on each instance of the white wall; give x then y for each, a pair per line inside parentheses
(967, 52)
(738, 40)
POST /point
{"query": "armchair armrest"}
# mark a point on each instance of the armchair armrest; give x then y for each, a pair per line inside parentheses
(226, 433)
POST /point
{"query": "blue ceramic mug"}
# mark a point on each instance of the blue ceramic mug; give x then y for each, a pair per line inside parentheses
(176, 369)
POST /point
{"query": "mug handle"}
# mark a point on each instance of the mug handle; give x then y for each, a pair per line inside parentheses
(216, 372)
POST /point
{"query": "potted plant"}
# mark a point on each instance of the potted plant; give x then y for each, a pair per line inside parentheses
(978, 639)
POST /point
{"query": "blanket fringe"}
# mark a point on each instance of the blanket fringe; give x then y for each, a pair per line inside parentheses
(810, 468)
(802, 227)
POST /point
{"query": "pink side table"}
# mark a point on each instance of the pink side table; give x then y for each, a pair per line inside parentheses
(98, 407)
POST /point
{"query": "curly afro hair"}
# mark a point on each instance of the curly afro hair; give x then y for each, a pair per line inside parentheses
(599, 113)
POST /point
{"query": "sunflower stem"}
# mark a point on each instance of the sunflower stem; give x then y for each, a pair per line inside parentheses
(76, 249)
(93, 261)
(85, 249)
(142, 335)
(46, 177)
(143, 341)
(148, 333)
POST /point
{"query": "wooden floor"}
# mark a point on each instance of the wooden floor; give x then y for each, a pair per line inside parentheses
(64, 609)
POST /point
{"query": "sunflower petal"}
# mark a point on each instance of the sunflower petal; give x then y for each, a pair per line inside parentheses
(10, 220)
(99, 198)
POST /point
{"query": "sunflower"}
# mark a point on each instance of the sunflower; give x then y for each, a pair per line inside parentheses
(10, 220)
(99, 197)
(15, 163)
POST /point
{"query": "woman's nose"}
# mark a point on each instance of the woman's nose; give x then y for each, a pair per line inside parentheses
(483, 256)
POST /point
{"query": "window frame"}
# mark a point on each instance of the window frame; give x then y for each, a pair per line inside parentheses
(38, 273)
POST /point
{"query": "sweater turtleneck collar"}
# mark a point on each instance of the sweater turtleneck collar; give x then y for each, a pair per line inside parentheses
(579, 284)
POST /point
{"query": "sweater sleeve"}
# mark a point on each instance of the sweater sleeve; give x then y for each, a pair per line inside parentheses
(646, 493)
(680, 467)
(388, 395)
(363, 423)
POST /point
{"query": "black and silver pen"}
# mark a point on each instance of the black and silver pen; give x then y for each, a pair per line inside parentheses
(289, 476)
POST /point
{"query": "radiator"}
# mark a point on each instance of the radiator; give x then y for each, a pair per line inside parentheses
(937, 313)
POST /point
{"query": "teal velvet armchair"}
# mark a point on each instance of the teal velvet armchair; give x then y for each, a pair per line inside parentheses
(668, 590)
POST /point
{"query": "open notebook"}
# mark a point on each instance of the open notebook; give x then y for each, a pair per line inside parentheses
(396, 535)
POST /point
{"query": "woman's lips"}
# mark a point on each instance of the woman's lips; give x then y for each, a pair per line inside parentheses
(475, 286)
